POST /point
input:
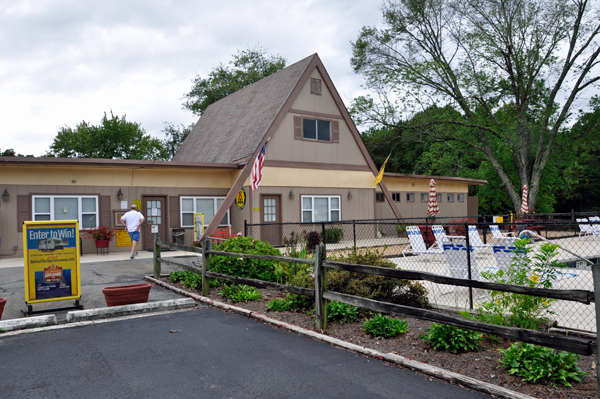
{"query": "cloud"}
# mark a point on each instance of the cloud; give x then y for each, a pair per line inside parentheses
(66, 61)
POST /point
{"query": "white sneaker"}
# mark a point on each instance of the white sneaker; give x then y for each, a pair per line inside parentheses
(132, 256)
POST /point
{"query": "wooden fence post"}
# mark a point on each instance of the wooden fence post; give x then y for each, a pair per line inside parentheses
(320, 305)
(206, 246)
(596, 276)
(156, 256)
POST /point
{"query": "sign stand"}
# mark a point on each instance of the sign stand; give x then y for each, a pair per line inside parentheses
(30, 311)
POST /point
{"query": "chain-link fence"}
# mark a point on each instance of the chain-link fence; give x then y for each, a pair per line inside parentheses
(431, 246)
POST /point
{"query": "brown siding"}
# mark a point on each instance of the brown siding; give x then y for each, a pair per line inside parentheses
(472, 205)
(105, 219)
(174, 212)
(23, 211)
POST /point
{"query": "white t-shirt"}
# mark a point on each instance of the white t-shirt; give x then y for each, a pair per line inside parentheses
(132, 220)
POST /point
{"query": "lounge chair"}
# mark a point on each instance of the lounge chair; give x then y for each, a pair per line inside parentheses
(475, 240)
(585, 229)
(456, 256)
(440, 237)
(502, 237)
(595, 226)
(417, 244)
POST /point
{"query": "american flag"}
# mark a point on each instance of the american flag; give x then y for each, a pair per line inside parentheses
(258, 167)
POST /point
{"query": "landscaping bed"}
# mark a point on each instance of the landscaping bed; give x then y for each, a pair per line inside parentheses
(481, 365)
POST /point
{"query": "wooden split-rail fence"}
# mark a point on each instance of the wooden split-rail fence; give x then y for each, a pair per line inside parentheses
(581, 346)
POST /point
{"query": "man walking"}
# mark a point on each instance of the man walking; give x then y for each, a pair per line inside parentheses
(132, 221)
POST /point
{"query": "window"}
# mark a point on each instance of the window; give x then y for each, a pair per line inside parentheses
(64, 207)
(315, 86)
(410, 197)
(424, 197)
(450, 197)
(438, 198)
(315, 129)
(379, 197)
(320, 209)
(461, 197)
(396, 197)
(206, 205)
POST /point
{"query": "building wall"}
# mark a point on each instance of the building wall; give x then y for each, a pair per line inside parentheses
(101, 181)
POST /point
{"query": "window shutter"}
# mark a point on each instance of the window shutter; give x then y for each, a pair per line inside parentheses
(23, 211)
(298, 127)
(335, 131)
(105, 211)
(174, 212)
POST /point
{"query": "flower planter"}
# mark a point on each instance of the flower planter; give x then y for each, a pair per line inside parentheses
(2, 303)
(102, 243)
(126, 294)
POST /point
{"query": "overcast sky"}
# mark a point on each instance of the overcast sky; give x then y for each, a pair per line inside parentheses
(62, 62)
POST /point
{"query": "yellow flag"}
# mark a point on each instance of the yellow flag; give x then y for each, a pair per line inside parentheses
(380, 174)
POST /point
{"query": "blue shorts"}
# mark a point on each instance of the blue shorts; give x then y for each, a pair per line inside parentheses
(135, 235)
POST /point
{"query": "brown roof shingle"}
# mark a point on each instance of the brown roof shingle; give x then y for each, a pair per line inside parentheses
(231, 129)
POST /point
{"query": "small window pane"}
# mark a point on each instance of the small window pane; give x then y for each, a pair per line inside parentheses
(88, 205)
(461, 198)
(321, 210)
(187, 205)
(188, 219)
(310, 129)
(424, 197)
(335, 216)
(324, 131)
(306, 203)
(88, 221)
(306, 216)
(450, 197)
(42, 205)
(207, 207)
(335, 203)
(42, 217)
(66, 209)
(438, 197)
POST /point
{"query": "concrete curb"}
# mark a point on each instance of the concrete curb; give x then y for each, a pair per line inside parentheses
(389, 357)
(28, 322)
(125, 310)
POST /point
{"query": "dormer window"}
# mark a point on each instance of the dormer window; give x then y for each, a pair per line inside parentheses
(315, 129)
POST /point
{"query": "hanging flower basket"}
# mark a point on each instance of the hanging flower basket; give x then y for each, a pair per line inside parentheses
(102, 243)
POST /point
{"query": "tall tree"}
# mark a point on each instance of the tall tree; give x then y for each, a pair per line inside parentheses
(246, 67)
(114, 138)
(175, 136)
(513, 69)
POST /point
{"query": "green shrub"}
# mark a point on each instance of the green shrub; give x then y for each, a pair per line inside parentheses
(333, 234)
(341, 312)
(523, 311)
(384, 326)
(245, 267)
(278, 305)
(452, 339)
(380, 288)
(539, 364)
(240, 293)
(177, 276)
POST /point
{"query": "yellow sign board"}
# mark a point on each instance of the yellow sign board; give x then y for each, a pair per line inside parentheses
(51, 257)
(240, 199)
(123, 238)
(138, 203)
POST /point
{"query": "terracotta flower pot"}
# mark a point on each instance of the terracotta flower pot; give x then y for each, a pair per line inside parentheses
(102, 243)
(126, 294)
(2, 303)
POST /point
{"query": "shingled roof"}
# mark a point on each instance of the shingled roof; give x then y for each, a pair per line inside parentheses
(231, 129)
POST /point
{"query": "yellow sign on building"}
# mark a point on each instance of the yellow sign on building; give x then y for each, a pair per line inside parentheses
(123, 238)
(240, 199)
(51, 257)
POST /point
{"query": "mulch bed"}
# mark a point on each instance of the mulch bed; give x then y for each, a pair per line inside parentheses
(480, 365)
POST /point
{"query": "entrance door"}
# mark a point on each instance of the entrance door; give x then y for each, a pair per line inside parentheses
(271, 213)
(153, 209)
